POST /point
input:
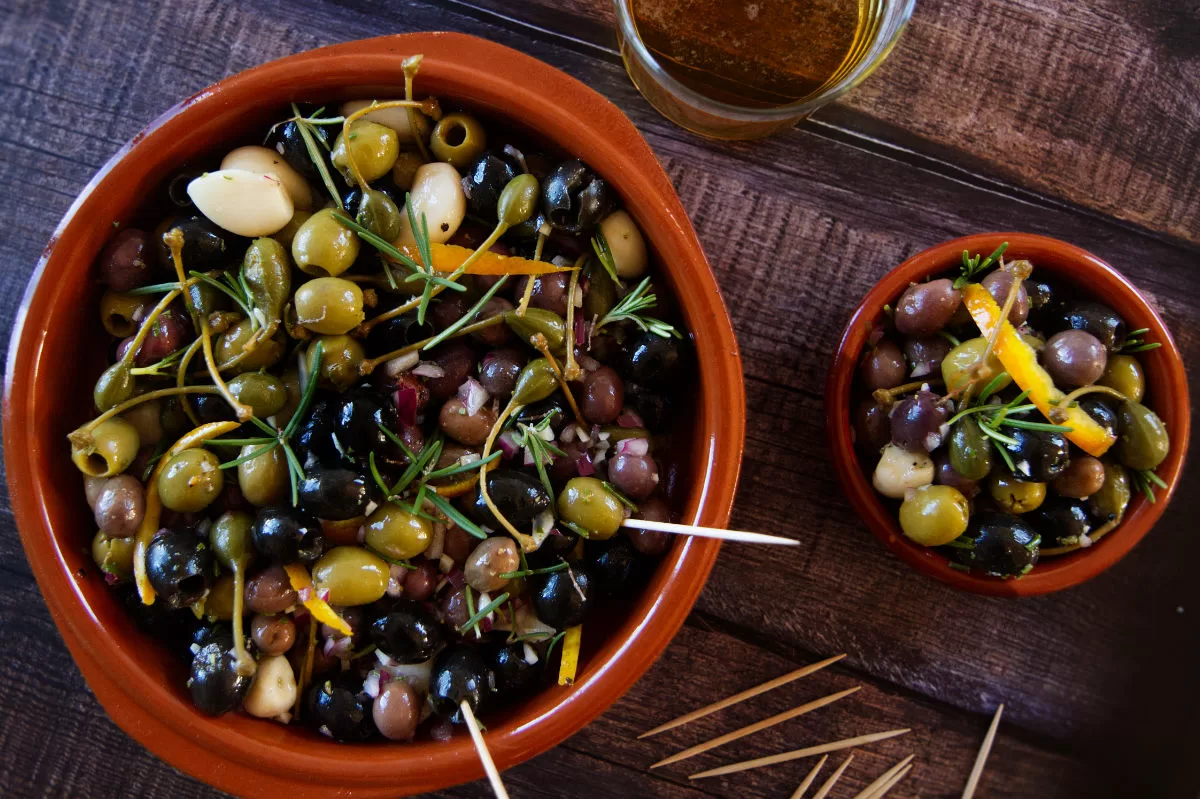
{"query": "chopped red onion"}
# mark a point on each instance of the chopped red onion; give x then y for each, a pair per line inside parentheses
(630, 418)
(457, 578)
(473, 395)
(633, 446)
(400, 364)
(581, 331)
(405, 398)
(429, 369)
(111, 579)
(583, 465)
(338, 647)
(507, 445)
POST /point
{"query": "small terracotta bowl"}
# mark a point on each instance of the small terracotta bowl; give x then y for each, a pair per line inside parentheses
(56, 352)
(1166, 394)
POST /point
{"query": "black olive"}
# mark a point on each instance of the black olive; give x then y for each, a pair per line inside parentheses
(220, 633)
(1001, 544)
(285, 138)
(574, 198)
(1102, 411)
(314, 437)
(215, 684)
(459, 674)
(515, 676)
(656, 409)
(561, 598)
(655, 362)
(1038, 454)
(340, 709)
(395, 333)
(356, 417)
(212, 408)
(177, 627)
(180, 567)
(554, 406)
(285, 535)
(177, 189)
(1060, 521)
(334, 494)
(555, 548)
(1092, 317)
(615, 566)
(407, 632)
(1044, 301)
(518, 495)
(353, 196)
(527, 230)
(205, 246)
(484, 179)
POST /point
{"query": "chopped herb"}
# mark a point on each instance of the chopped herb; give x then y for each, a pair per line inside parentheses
(462, 321)
(629, 308)
(1135, 343)
(557, 567)
(483, 612)
(972, 266)
(605, 257)
(310, 143)
(541, 451)
(575, 528)
(452, 513)
(624, 500)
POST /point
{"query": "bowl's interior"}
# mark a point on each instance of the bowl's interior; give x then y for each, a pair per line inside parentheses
(56, 357)
(1166, 394)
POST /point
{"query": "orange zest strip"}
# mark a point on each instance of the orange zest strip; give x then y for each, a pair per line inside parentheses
(319, 608)
(150, 519)
(1020, 360)
(449, 257)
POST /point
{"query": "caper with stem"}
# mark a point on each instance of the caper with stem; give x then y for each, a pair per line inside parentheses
(230, 537)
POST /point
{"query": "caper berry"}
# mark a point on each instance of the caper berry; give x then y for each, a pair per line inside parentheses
(1142, 438)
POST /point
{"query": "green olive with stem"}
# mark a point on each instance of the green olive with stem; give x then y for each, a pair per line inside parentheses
(115, 385)
(231, 541)
(538, 320)
(535, 382)
(517, 203)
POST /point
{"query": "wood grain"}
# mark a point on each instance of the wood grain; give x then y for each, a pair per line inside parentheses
(1098, 682)
(1097, 104)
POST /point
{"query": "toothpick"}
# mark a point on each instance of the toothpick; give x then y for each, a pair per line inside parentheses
(872, 790)
(981, 758)
(784, 757)
(887, 786)
(824, 790)
(812, 775)
(744, 695)
(749, 729)
(710, 532)
(484, 755)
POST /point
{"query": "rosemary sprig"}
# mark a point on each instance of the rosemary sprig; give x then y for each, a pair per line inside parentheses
(1135, 343)
(305, 126)
(1144, 480)
(155, 369)
(973, 266)
(557, 567)
(232, 289)
(452, 513)
(540, 450)
(483, 613)
(157, 288)
(468, 316)
(629, 310)
(605, 257)
(459, 468)
(624, 500)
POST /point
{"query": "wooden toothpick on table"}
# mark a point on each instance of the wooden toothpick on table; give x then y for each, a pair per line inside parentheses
(808, 781)
(750, 729)
(827, 786)
(981, 758)
(710, 532)
(489, 765)
(873, 790)
(744, 695)
(784, 757)
(892, 783)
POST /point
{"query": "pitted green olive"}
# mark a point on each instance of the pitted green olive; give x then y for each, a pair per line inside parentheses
(458, 139)
(374, 148)
(329, 305)
(114, 555)
(324, 246)
(111, 447)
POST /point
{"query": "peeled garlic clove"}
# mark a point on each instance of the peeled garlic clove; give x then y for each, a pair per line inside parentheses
(253, 158)
(436, 192)
(626, 244)
(274, 689)
(242, 202)
(395, 118)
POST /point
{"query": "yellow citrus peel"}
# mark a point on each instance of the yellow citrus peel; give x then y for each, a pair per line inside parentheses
(149, 524)
(570, 655)
(1020, 361)
(302, 583)
(449, 257)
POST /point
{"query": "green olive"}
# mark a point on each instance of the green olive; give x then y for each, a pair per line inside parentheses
(268, 273)
(112, 446)
(617, 433)
(1124, 373)
(263, 480)
(586, 502)
(341, 360)
(218, 604)
(231, 353)
(352, 576)
(934, 515)
(230, 537)
(146, 418)
(287, 234)
(959, 364)
(265, 393)
(1016, 496)
(538, 320)
(291, 382)
(114, 555)
(329, 305)
(458, 139)
(1142, 440)
(114, 386)
(117, 310)
(374, 148)
(324, 246)
(404, 171)
(1114, 495)
(379, 214)
(518, 200)
(191, 481)
(397, 534)
(535, 382)
(204, 299)
(970, 449)
(601, 294)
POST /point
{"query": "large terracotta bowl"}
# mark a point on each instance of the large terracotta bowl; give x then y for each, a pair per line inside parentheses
(55, 354)
(1166, 394)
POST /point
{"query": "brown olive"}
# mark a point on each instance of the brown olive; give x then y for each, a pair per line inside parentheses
(651, 542)
(273, 635)
(603, 395)
(1083, 477)
(270, 591)
(883, 366)
(1074, 358)
(999, 283)
(470, 429)
(127, 260)
(498, 371)
(490, 560)
(635, 475)
(396, 711)
(457, 361)
(420, 583)
(925, 308)
(549, 291)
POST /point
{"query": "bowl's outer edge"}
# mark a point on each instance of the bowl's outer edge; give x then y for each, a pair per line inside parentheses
(219, 751)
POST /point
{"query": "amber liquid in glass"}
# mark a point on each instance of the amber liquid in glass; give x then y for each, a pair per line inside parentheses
(754, 53)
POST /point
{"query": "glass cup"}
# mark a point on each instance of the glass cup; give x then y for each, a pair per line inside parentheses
(879, 25)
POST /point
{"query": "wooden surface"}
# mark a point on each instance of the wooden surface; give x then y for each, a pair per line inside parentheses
(1075, 120)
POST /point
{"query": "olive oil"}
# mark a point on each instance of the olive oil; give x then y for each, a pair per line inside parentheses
(756, 53)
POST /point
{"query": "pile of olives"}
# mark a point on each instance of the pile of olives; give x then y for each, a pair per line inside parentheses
(976, 470)
(285, 472)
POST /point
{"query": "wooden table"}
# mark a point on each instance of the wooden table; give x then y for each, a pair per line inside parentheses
(1078, 120)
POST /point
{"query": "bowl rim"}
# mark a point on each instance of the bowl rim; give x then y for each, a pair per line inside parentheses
(1056, 256)
(565, 112)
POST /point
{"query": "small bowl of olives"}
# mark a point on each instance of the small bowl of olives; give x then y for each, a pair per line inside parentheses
(1007, 413)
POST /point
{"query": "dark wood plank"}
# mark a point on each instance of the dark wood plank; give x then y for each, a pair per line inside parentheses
(1094, 103)
(1098, 680)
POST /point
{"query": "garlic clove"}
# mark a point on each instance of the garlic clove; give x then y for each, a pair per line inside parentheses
(242, 202)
